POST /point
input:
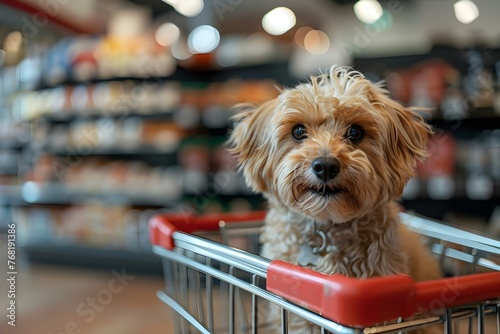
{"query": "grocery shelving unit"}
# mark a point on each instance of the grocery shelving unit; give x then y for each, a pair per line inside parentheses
(52, 195)
(47, 202)
(465, 130)
(91, 257)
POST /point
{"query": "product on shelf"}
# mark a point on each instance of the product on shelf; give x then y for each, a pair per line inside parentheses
(480, 177)
(422, 85)
(494, 223)
(438, 170)
(194, 159)
(85, 58)
(493, 146)
(189, 106)
(90, 225)
(478, 81)
(226, 177)
(99, 176)
(114, 98)
(132, 133)
(454, 105)
(218, 98)
(460, 85)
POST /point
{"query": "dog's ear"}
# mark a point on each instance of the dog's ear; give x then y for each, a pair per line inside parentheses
(406, 142)
(251, 142)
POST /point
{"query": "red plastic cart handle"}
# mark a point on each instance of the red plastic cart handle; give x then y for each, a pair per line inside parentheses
(162, 226)
(364, 302)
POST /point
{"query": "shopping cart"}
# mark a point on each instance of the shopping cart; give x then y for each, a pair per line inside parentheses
(216, 287)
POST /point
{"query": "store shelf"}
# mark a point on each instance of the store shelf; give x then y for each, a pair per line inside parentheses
(100, 258)
(6, 144)
(459, 200)
(11, 195)
(55, 194)
(278, 70)
(142, 150)
(180, 74)
(5, 171)
(434, 208)
(68, 116)
(478, 119)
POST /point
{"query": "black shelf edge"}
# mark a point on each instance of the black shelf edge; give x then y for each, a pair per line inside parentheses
(63, 195)
(277, 70)
(179, 75)
(475, 122)
(169, 154)
(12, 144)
(458, 198)
(67, 116)
(231, 196)
(9, 171)
(462, 205)
(455, 56)
(11, 195)
(480, 113)
(140, 262)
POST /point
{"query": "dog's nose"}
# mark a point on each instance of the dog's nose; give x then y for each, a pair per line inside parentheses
(326, 168)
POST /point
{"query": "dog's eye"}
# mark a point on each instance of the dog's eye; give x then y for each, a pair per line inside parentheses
(355, 134)
(299, 132)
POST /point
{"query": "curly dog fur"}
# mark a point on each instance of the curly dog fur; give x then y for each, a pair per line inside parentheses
(333, 155)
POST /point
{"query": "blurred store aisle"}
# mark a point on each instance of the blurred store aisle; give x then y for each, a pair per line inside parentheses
(57, 299)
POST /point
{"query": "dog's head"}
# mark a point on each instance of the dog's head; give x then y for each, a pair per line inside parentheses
(331, 149)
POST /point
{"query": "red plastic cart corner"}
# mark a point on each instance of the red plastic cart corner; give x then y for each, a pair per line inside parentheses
(162, 226)
(365, 302)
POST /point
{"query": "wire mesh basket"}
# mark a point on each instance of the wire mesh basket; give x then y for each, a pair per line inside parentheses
(216, 283)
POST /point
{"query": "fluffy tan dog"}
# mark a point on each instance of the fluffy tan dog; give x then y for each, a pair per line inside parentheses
(331, 156)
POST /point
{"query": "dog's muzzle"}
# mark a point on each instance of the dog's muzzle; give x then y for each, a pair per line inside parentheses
(325, 168)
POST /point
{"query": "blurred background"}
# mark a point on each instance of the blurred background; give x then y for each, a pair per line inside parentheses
(112, 111)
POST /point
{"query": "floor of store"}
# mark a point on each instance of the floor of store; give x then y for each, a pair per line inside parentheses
(58, 299)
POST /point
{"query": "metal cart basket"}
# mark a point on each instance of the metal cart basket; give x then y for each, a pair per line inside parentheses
(214, 286)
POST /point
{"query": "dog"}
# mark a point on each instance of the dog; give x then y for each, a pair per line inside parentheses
(331, 157)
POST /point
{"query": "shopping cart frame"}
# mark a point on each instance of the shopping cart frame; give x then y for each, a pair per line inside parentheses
(333, 302)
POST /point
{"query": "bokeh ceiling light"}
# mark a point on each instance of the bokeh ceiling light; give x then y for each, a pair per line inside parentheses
(187, 8)
(368, 11)
(316, 42)
(466, 11)
(180, 50)
(167, 34)
(300, 35)
(384, 22)
(203, 39)
(278, 21)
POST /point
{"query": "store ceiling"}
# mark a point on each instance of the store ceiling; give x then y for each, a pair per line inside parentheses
(157, 7)
(415, 27)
